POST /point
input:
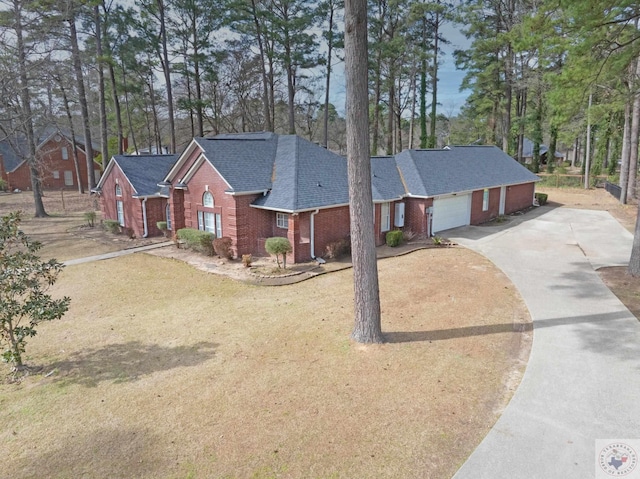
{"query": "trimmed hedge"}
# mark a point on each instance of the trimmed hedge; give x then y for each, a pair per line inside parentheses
(201, 241)
(394, 238)
(541, 198)
(277, 246)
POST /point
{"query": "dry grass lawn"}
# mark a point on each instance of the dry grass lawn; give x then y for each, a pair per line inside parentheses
(163, 371)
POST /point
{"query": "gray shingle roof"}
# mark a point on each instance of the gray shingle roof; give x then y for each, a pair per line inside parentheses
(10, 158)
(458, 169)
(306, 176)
(144, 172)
(386, 183)
(245, 160)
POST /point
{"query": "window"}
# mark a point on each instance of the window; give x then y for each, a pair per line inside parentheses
(56, 175)
(206, 221)
(120, 209)
(167, 214)
(218, 225)
(385, 217)
(282, 220)
(485, 200)
(68, 178)
(207, 200)
(65, 153)
(118, 190)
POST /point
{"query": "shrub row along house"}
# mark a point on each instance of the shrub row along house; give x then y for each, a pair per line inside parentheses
(55, 163)
(253, 186)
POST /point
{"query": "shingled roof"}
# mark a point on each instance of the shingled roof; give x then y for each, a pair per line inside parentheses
(457, 169)
(144, 172)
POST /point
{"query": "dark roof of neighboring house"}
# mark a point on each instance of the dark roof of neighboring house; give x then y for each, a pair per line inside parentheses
(458, 169)
(386, 183)
(144, 172)
(527, 149)
(10, 158)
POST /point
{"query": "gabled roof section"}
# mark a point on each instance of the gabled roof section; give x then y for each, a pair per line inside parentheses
(386, 183)
(144, 172)
(457, 169)
(244, 160)
(11, 158)
(306, 176)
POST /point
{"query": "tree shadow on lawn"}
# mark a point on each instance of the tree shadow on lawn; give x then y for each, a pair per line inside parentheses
(128, 362)
(616, 333)
(103, 452)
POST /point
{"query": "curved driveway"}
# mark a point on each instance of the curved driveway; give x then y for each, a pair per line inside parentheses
(582, 381)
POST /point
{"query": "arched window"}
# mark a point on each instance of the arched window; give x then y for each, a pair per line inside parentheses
(118, 190)
(207, 199)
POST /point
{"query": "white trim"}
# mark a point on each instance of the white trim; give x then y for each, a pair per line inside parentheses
(181, 160)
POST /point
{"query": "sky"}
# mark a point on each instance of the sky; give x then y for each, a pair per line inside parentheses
(450, 98)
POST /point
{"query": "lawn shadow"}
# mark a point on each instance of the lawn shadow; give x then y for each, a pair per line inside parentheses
(128, 362)
(616, 333)
(103, 452)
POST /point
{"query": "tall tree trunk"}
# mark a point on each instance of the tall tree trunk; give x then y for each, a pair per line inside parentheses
(166, 68)
(434, 84)
(390, 119)
(27, 120)
(587, 158)
(197, 80)
(325, 135)
(104, 138)
(634, 134)
(423, 104)
(126, 105)
(291, 90)
(74, 146)
(553, 144)
(82, 97)
(634, 260)
(414, 101)
(367, 328)
(626, 151)
(508, 95)
(268, 125)
(112, 80)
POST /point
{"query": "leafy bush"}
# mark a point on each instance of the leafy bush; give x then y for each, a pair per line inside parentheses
(246, 260)
(90, 218)
(437, 240)
(541, 198)
(394, 238)
(222, 247)
(3, 185)
(279, 246)
(112, 226)
(162, 225)
(201, 241)
(337, 249)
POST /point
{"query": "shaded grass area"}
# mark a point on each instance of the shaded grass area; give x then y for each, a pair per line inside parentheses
(163, 371)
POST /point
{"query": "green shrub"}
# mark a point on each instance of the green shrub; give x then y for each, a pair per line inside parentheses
(3, 185)
(112, 226)
(437, 240)
(279, 246)
(394, 238)
(90, 218)
(222, 247)
(541, 198)
(337, 249)
(162, 225)
(201, 241)
(550, 167)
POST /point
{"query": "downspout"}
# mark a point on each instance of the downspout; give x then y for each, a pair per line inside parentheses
(144, 217)
(312, 234)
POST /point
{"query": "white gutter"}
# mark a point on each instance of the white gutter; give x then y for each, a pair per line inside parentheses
(312, 228)
(144, 217)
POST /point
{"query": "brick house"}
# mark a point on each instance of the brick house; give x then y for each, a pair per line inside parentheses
(130, 194)
(252, 186)
(56, 167)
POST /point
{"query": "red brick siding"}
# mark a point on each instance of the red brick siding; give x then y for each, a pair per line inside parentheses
(477, 215)
(132, 207)
(415, 216)
(330, 225)
(519, 197)
(20, 178)
(155, 212)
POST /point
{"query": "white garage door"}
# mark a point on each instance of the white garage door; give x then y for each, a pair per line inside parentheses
(451, 212)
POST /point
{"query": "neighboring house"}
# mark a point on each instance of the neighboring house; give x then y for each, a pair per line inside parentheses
(527, 152)
(253, 186)
(55, 161)
(130, 193)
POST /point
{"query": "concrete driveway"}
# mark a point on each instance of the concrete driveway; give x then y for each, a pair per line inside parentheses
(582, 381)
